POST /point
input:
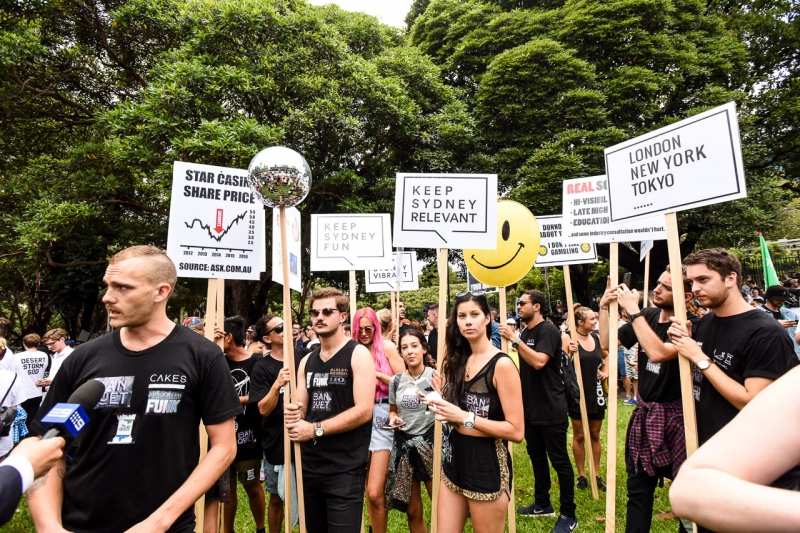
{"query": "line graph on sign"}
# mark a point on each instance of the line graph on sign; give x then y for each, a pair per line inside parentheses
(218, 227)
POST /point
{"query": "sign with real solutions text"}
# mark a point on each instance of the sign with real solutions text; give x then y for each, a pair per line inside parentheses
(692, 163)
(446, 211)
(385, 280)
(553, 251)
(350, 242)
(215, 223)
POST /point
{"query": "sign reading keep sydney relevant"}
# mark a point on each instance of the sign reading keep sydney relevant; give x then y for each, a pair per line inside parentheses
(692, 163)
(446, 211)
(586, 216)
(350, 242)
(385, 280)
(553, 251)
(215, 223)
(293, 241)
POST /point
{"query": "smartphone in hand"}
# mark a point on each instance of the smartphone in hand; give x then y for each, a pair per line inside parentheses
(427, 390)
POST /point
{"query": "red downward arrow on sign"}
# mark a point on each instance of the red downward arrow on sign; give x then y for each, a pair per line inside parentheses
(218, 227)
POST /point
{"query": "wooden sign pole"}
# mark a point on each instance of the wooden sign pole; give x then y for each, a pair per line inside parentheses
(353, 300)
(437, 431)
(573, 333)
(611, 448)
(646, 299)
(288, 392)
(512, 511)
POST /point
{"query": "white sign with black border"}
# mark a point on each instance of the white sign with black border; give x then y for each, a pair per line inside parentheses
(446, 211)
(350, 242)
(294, 238)
(553, 251)
(692, 163)
(385, 280)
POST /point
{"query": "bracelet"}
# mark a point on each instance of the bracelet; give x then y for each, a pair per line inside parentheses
(604, 308)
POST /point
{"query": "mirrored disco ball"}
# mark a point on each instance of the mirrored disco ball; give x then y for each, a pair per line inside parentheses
(279, 176)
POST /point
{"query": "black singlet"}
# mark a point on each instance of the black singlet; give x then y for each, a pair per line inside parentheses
(480, 395)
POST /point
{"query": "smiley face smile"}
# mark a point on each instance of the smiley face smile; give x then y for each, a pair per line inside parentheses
(519, 249)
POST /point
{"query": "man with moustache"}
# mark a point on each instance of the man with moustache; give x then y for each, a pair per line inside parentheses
(655, 445)
(737, 351)
(331, 417)
(135, 467)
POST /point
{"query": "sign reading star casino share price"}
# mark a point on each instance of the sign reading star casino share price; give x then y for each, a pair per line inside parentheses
(350, 242)
(586, 215)
(386, 280)
(553, 251)
(446, 211)
(215, 223)
(692, 163)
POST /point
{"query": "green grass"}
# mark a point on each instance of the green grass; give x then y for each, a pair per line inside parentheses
(590, 512)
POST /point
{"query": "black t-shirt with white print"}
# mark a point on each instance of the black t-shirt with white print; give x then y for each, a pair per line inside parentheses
(543, 395)
(248, 424)
(750, 344)
(142, 440)
(658, 382)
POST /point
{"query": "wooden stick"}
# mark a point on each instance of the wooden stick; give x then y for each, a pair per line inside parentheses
(353, 299)
(646, 299)
(576, 359)
(512, 510)
(288, 392)
(611, 448)
(220, 313)
(437, 431)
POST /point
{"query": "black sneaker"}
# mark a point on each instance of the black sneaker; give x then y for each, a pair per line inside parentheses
(565, 525)
(601, 485)
(583, 483)
(535, 509)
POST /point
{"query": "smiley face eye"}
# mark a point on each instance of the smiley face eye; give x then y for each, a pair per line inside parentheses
(506, 230)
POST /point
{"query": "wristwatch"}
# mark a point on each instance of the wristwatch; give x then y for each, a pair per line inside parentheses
(469, 423)
(704, 364)
(318, 431)
(634, 316)
(515, 344)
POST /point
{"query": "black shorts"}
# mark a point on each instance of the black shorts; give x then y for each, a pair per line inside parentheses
(477, 467)
(600, 414)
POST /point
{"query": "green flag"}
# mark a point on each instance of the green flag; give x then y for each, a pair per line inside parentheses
(770, 276)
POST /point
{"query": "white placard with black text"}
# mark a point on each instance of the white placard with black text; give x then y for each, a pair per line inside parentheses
(294, 237)
(553, 251)
(350, 242)
(692, 163)
(446, 211)
(385, 280)
(215, 223)
(586, 211)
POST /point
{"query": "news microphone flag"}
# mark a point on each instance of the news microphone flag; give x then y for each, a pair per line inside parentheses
(70, 418)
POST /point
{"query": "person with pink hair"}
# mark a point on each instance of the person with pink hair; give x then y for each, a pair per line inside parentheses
(367, 331)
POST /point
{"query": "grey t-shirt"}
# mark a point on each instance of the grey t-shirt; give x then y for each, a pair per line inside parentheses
(414, 413)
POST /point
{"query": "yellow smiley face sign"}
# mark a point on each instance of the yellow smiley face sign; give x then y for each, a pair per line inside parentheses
(517, 247)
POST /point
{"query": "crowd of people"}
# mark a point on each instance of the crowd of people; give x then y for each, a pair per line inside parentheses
(366, 401)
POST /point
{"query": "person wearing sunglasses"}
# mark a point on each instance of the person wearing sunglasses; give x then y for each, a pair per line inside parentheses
(387, 364)
(268, 379)
(331, 417)
(482, 403)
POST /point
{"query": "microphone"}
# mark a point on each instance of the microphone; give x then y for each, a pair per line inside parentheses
(68, 419)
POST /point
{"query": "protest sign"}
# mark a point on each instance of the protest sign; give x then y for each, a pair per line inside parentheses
(350, 242)
(553, 251)
(215, 223)
(475, 285)
(692, 163)
(294, 247)
(446, 211)
(386, 280)
(586, 211)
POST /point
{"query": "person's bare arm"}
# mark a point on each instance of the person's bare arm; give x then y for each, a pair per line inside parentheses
(536, 359)
(270, 401)
(363, 396)
(395, 361)
(45, 498)
(737, 394)
(296, 411)
(722, 486)
(221, 452)
(609, 296)
(657, 350)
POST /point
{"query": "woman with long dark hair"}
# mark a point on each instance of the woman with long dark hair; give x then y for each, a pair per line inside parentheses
(367, 331)
(412, 453)
(482, 404)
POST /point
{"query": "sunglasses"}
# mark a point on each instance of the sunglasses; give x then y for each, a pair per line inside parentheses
(328, 311)
(277, 329)
(368, 329)
(474, 293)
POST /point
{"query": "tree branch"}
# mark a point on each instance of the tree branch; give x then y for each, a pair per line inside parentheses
(11, 255)
(73, 263)
(134, 206)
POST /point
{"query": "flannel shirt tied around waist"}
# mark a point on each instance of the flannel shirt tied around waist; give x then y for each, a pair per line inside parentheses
(656, 436)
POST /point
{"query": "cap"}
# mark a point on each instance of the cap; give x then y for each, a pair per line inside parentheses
(511, 321)
(776, 292)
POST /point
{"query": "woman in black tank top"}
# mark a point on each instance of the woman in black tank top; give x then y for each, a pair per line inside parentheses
(593, 360)
(483, 407)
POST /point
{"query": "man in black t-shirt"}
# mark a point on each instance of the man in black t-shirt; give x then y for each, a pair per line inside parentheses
(266, 394)
(658, 415)
(737, 351)
(247, 464)
(545, 403)
(336, 383)
(135, 464)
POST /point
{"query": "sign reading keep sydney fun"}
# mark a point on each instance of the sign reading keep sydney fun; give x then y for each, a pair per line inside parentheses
(215, 223)
(586, 211)
(553, 251)
(692, 163)
(350, 242)
(446, 211)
